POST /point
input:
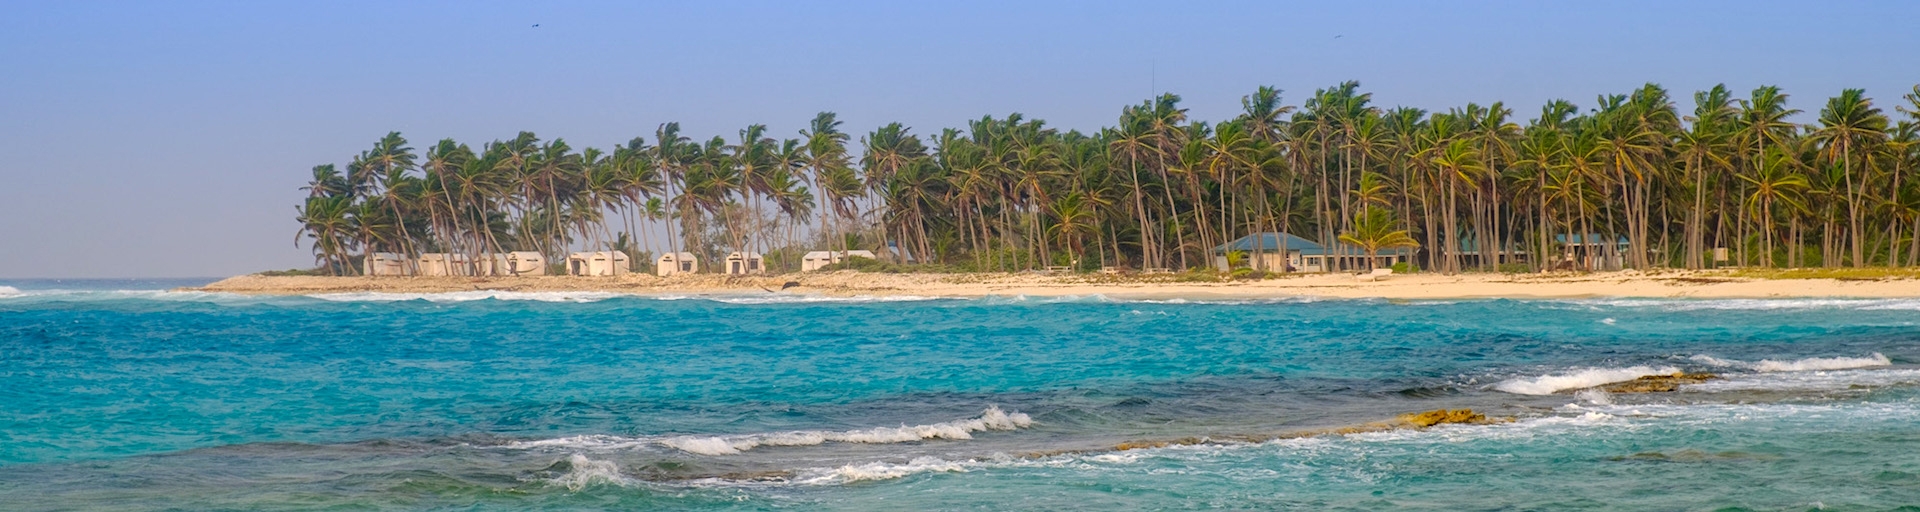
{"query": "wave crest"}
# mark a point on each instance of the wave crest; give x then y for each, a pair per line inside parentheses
(583, 472)
(467, 296)
(1800, 365)
(1550, 384)
(993, 418)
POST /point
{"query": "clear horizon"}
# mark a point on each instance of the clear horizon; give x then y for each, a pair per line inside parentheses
(170, 140)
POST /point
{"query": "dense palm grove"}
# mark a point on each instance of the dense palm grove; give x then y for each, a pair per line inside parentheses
(1159, 190)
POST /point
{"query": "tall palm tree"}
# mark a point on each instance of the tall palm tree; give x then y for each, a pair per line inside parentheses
(1851, 121)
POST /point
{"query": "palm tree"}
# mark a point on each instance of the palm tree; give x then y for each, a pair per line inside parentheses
(1373, 230)
(1156, 189)
(1773, 185)
(325, 220)
(1850, 120)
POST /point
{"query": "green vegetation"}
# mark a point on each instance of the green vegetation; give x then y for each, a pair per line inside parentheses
(1469, 186)
(1844, 274)
(860, 264)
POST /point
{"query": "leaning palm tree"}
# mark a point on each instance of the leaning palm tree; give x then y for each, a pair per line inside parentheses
(1373, 230)
(1851, 121)
(326, 220)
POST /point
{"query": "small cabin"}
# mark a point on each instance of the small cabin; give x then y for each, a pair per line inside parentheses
(519, 263)
(444, 264)
(385, 264)
(676, 263)
(817, 259)
(743, 263)
(597, 263)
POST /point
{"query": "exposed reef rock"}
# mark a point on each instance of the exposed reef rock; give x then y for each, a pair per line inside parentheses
(1658, 383)
(1416, 420)
(1444, 416)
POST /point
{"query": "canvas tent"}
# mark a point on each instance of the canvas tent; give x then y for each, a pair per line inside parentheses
(597, 263)
(519, 263)
(385, 264)
(815, 260)
(444, 264)
(743, 263)
(676, 263)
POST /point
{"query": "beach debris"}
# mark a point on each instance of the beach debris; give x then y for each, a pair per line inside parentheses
(789, 284)
(1658, 383)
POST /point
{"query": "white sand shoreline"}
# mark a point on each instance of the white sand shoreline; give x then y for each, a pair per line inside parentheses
(1673, 284)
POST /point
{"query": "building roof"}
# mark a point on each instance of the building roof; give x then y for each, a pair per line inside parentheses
(828, 254)
(1270, 242)
(1587, 239)
(678, 255)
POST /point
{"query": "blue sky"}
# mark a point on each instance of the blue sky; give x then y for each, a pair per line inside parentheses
(161, 139)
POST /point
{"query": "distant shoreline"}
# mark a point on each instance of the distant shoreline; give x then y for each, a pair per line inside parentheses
(1671, 284)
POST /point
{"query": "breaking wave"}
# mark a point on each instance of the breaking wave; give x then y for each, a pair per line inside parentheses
(1811, 381)
(800, 299)
(991, 419)
(1550, 384)
(62, 295)
(1801, 365)
(1752, 304)
(467, 296)
(583, 472)
(881, 471)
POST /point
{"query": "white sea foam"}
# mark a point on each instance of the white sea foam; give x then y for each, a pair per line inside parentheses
(1810, 381)
(808, 299)
(468, 296)
(880, 471)
(1590, 420)
(992, 419)
(1595, 396)
(583, 472)
(1549, 384)
(65, 295)
(1801, 365)
(1751, 304)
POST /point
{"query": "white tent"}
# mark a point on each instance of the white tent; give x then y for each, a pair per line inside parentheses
(385, 264)
(444, 264)
(519, 263)
(743, 263)
(597, 263)
(815, 260)
(676, 263)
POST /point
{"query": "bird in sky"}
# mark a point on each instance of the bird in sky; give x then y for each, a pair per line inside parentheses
(536, 25)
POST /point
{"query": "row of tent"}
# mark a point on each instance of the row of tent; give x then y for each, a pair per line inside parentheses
(597, 263)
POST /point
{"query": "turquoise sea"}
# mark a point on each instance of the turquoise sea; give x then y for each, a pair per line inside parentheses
(119, 395)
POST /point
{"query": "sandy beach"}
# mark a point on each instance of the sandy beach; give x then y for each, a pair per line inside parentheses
(1670, 284)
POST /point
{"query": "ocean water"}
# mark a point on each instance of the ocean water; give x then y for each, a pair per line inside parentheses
(119, 395)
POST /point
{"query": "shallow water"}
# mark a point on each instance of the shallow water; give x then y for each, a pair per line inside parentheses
(117, 396)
